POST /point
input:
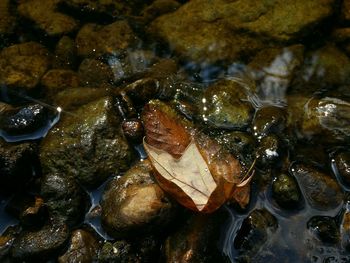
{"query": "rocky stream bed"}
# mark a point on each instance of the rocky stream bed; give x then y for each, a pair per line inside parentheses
(267, 81)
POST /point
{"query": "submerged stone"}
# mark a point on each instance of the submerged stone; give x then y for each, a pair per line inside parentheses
(7, 20)
(95, 73)
(45, 15)
(94, 40)
(274, 70)
(325, 67)
(286, 192)
(321, 190)
(72, 99)
(325, 228)
(23, 65)
(65, 55)
(226, 30)
(342, 165)
(255, 230)
(56, 80)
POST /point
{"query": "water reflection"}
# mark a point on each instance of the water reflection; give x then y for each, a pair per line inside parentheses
(5, 219)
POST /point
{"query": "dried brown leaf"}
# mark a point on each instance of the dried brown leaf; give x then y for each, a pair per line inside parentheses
(188, 164)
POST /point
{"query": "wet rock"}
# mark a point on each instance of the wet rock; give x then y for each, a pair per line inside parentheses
(269, 150)
(34, 214)
(320, 190)
(134, 204)
(274, 69)
(71, 99)
(7, 20)
(16, 162)
(56, 80)
(223, 106)
(269, 119)
(45, 15)
(117, 252)
(133, 130)
(326, 66)
(223, 30)
(40, 244)
(327, 119)
(148, 248)
(87, 144)
(133, 62)
(342, 164)
(345, 227)
(310, 153)
(23, 65)
(64, 198)
(6, 241)
(195, 241)
(24, 120)
(142, 90)
(94, 73)
(236, 142)
(255, 230)
(65, 55)
(285, 191)
(83, 247)
(201, 41)
(324, 228)
(30, 210)
(341, 35)
(112, 39)
(345, 10)
(98, 9)
(159, 7)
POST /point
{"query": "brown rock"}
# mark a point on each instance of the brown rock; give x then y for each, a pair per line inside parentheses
(226, 30)
(83, 248)
(45, 15)
(93, 73)
(65, 54)
(23, 65)
(56, 80)
(95, 40)
(345, 10)
(7, 21)
(135, 204)
(320, 190)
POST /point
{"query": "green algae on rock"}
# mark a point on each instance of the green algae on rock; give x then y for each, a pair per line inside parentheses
(224, 105)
